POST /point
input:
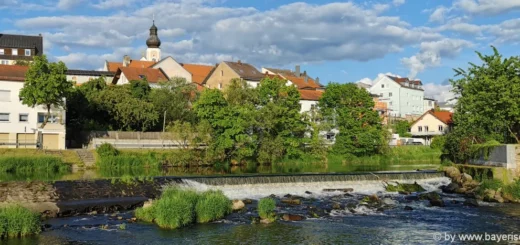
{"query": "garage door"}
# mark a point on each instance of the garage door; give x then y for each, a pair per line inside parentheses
(26, 140)
(4, 138)
(50, 141)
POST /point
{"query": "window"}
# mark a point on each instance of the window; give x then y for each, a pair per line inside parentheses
(2, 51)
(52, 118)
(220, 86)
(391, 103)
(221, 73)
(4, 117)
(27, 52)
(425, 128)
(5, 95)
(381, 95)
(382, 86)
(430, 103)
(14, 51)
(23, 117)
(4, 62)
(420, 128)
(389, 94)
(441, 128)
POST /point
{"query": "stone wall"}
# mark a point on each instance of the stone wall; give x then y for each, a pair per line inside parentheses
(505, 156)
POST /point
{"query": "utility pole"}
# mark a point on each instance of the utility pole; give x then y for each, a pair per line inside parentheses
(164, 122)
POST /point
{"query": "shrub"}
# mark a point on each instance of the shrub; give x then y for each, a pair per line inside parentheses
(107, 150)
(212, 205)
(266, 207)
(145, 214)
(514, 189)
(491, 184)
(438, 142)
(17, 221)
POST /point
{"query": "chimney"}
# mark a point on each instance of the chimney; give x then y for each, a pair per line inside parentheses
(297, 70)
(305, 77)
(40, 34)
(239, 62)
(126, 61)
(317, 80)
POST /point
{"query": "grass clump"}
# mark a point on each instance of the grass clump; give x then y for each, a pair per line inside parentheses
(212, 205)
(17, 221)
(178, 208)
(513, 189)
(31, 164)
(107, 150)
(266, 208)
(404, 188)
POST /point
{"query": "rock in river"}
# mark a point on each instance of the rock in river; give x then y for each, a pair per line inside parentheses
(291, 201)
(238, 205)
(292, 217)
(471, 202)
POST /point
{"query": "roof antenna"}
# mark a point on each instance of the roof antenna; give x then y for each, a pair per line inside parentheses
(153, 18)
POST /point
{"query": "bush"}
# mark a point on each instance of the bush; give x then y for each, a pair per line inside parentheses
(266, 207)
(489, 184)
(212, 205)
(177, 208)
(438, 142)
(107, 150)
(27, 165)
(514, 189)
(17, 221)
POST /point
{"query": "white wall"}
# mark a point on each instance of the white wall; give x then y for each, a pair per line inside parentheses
(15, 107)
(173, 69)
(412, 101)
(428, 105)
(307, 104)
(433, 126)
(404, 101)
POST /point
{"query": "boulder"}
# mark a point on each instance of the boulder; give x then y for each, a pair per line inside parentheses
(471, 202)
(247, 201)
(493, 196)
(465, 178)
(372, 200)
(451, 188)
(308, 192)
(408, 208)
(238, 205)
(430, 196)
(292, 217)
(404, 188)
(291, 201)
(437, 203)
(452, 172)
(148, 203)
(389, 201)
(337, 206)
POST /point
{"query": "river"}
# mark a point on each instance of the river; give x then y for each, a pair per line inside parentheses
(354, 223)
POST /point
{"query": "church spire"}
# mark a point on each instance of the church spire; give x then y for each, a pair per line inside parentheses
(153, 40)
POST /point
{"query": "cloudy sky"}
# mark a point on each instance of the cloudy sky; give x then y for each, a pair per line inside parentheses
(341, 41)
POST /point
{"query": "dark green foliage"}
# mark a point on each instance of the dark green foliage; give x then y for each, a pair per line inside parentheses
(140, 89)
(176, 98)
(514, 189)
(266, 208)
(17, 221)
(402, 127)
(107, 150)
(350, 110)
(212, 205)
(438, 142)
(177, 208)
(29, 165)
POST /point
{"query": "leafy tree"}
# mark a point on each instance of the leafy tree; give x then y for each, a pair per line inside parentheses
(45, 84)
(489, 97)
(402, 127)
(140, 89)
(350, 110)
(176, 98)
(83, 111)
(22, 63)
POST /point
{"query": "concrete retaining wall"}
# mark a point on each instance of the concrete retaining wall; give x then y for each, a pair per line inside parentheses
(505, 156)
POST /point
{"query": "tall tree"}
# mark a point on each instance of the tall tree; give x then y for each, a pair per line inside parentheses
(489, 97)
(45, 84)
(176, 98)
(351, 110)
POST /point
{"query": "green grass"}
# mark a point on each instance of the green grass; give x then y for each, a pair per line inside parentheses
(32, 164)
(514, 189)
(266, 208)
(178, 208)
(17, 221)
(67, 156)
(212, 205)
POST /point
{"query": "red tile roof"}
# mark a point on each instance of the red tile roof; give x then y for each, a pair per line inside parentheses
(113, 66)
(313, 95)
(199, 72)
(302, 84)
(443, 116)
(13, 72)
(403, 80)
(133, 73)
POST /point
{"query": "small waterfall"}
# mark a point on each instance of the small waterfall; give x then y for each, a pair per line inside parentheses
(309, 178)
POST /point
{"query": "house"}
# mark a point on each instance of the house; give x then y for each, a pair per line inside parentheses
(296, 77)
(227, 70)
(199, 74)
(431, 123)
(429, 104)
(309, 99)
(20, 125)
(82, 76)
(19, 47)
(404, 96)
(125, 75)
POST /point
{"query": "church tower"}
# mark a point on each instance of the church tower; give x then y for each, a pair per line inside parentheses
(153, 52)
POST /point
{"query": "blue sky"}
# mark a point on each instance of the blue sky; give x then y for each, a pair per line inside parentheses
(341, 41)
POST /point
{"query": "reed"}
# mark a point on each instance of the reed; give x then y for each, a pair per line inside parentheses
(17, 221)
(266, 208)
(212, 205)
(32, 164)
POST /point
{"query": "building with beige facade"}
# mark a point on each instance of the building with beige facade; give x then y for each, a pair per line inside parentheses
(227, 71)
(432, 123)
(20, 125)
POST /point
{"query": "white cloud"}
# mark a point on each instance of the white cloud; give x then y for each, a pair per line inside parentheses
(110, 4)
(398, 2)
(438, 14)
(431, 53)
(441, 93)
(68, 4)
(487, 7)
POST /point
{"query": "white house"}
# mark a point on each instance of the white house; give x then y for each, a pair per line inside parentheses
(172, 68)
(430, 124)
(83, 76)
(429, 104)
(404, 96)
(20, 124)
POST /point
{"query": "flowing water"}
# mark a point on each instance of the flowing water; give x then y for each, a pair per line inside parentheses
(354, 223)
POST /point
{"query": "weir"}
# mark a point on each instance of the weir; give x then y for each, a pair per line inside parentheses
(65, 198)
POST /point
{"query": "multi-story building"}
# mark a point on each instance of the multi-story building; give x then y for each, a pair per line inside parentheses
(404, 96)
(429, 104)
(19, 47)
(20, 125)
